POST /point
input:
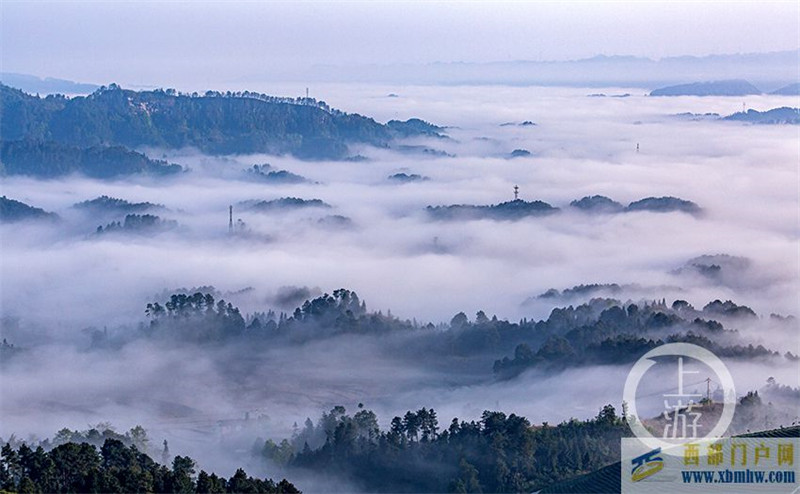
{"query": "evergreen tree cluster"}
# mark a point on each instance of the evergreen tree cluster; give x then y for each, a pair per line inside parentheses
(498, 453)
(602, 331)
(138, 223)
(116, 468)
(195, 317)
(198, 317)
(607, 332)
(106, 204)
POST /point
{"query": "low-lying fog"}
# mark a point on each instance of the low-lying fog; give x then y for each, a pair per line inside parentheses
(59, 279)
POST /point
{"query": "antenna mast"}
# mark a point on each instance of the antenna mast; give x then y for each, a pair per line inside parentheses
(230, 218)
(516, 192)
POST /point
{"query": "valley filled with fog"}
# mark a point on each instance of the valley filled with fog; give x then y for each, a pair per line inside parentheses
(74, 296)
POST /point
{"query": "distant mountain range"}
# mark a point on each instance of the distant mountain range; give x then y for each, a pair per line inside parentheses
(732, 87)
(790, 90)
(768, 71)
(46, 85)
(776, 116)
(215, 123)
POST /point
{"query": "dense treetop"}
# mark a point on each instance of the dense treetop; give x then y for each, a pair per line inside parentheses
(511, 210)
(519, 209)
(141, 224)
(602, 331)
(106, 204)
(497, 453)
(285, 203)
(116, 467)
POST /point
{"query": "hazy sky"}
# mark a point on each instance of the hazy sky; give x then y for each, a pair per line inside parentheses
(175, 42)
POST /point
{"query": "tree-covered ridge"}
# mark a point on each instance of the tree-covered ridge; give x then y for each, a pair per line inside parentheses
(106, 204)
(116, 468)
(404, 178)
(265, 173)
(12, 210)
(284, 203)
(141, 224)
(722, 268)
(519, 209)
(511, 210)
(620, 334)
(414, 127)
(199, 317)
(519, 153)
(498, 453)
(95, 435)
(214, 122)
(664, 204)
(603, 331)
(782, 115)
(597, 204)
(730, 87)
(591, 289)
(48, 159)
(771, 406)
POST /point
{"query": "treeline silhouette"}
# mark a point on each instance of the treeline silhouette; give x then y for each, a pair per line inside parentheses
(116, 468)
(214, 122)
(602, 331)
(498, 453)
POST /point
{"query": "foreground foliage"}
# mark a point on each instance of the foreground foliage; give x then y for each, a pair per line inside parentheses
(498, 453)
(80, 467)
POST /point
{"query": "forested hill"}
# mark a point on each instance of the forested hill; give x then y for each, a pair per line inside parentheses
(51, 159)
(11, 211)
(733, 87)
(214, 122)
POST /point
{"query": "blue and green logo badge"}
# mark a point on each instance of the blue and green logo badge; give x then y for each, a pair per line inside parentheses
(646, 465)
